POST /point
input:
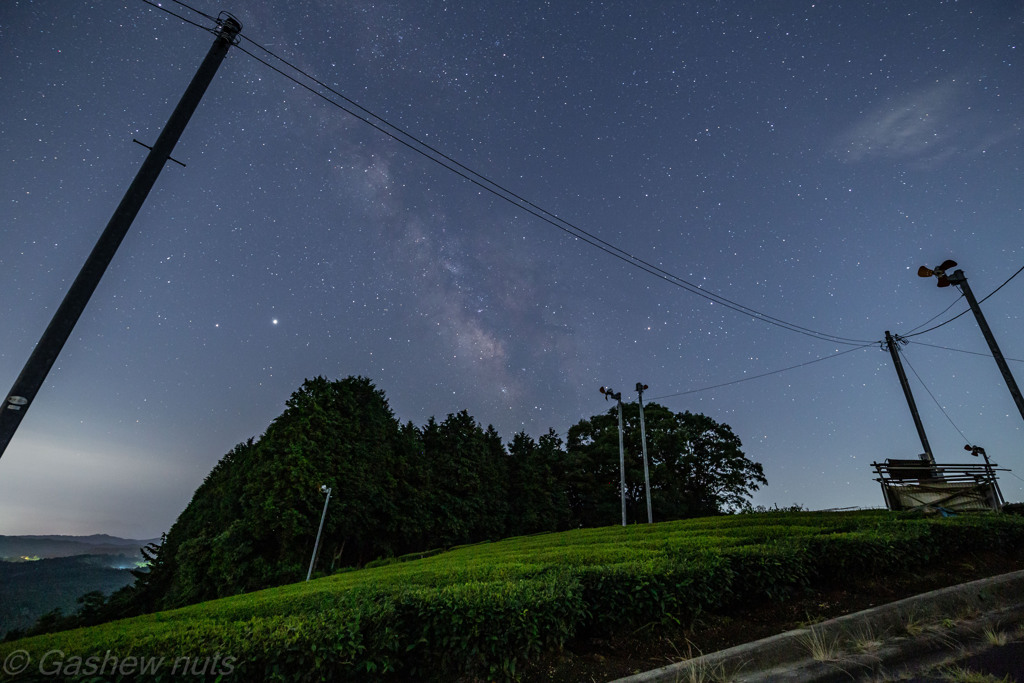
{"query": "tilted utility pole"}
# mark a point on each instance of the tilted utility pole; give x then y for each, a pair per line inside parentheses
(927, 456)
(960, 280)
(32, 376)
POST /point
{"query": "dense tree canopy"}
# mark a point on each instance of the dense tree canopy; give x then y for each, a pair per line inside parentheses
(398, 489)
(696, 466)
(252, 521)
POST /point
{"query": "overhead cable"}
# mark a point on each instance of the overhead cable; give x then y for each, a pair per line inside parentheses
(1004, 283)
(938, 315)
(404, 137)
(426, 150)
(186, 20)
(764, 374)
(930, 329)
(906, 361)
(973, 353)
(190, 7)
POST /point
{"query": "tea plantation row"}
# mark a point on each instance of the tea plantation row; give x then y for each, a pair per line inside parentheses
(482, 611)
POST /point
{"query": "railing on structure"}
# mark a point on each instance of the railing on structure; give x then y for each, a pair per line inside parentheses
(916, 484)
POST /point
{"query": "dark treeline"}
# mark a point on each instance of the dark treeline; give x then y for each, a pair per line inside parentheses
(399, 489)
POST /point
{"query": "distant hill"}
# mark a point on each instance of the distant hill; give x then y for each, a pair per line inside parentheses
(13, 548)
(31, 589)
(42, 573)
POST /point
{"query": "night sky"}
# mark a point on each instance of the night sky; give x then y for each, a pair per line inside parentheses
(802, 159)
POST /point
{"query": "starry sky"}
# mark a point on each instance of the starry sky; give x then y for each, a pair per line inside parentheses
(800, 158)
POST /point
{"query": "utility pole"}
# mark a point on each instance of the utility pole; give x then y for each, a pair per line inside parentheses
(32, 376)
(640, 386)
(959, 279)
(608, 393)
(927, 456)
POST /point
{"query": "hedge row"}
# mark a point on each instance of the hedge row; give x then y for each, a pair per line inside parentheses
(481, 612)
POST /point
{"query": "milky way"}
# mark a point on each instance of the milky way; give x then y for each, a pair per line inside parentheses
(801, 159)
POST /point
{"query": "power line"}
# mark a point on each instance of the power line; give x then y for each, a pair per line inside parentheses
(930, 329)
(764, 374)
(1004, 284)
(187, 21)
(943, 410)
(522, 203)
(916, 334)
(938, 315)
(199, 12)
(426, 150)
(421, 147)
(973, 353)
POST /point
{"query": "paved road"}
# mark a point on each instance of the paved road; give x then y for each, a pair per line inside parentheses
(1000, 661)
(947, 623)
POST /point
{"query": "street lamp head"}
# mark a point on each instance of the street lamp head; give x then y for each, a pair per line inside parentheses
(323, 488)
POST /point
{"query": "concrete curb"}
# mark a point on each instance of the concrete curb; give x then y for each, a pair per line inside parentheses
(940, 621)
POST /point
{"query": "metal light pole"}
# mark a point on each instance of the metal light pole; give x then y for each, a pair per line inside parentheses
(32, 376)
(640, 386)
(608, 393)
(978, 450)
(960, 280)
(316, 546)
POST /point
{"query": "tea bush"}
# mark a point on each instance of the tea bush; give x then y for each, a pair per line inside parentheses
(481, 611)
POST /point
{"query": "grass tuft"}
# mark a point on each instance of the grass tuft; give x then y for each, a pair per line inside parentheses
(996, 638)
(821, 647)
(699, 671)
(959, 674)
(913, 624)
(864, 640)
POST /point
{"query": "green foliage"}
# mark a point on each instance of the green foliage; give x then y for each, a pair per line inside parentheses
(537, 496)
(252, 522)
(468, 502)
(696, 467)
(398, 490)
(483, 610)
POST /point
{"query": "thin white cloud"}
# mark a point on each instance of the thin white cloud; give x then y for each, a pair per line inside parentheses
(922, 126)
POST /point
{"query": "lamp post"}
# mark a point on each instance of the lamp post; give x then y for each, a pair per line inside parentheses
(640, 386)
(316, 546)
(978, 450)
(608, 393)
